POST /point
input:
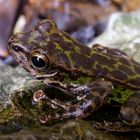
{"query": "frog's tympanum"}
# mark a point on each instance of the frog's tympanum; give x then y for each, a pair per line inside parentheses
(48, 53)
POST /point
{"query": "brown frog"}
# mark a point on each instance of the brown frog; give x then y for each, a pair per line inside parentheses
(48, 53)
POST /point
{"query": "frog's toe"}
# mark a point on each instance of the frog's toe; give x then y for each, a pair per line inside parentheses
(38, 95)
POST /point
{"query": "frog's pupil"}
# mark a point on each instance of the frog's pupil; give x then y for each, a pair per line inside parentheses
(38, 62)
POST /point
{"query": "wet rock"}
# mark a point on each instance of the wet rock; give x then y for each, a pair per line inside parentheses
(13, 115)
(12, 79)
(70, 130)
(123, 33)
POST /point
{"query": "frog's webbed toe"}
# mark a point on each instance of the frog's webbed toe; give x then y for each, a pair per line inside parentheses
(130, 111)
(53, 103)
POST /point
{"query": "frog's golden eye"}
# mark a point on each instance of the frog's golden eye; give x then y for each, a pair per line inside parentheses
(40, 61)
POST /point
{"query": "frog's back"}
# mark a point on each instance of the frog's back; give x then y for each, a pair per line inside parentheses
(116, 66)
(98, 61)
(111, 64)
(101, 61)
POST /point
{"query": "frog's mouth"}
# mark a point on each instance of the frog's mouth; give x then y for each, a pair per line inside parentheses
(44, 76)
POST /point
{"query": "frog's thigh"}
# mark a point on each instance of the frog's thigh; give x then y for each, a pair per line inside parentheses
(130, 111)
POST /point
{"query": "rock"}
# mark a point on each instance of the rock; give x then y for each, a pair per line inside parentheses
(12, 79)
(70, 130)
(13, 84)
(122, 33)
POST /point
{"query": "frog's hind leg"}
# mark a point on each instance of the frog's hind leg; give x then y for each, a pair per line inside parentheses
(92, 101)
(130, 111)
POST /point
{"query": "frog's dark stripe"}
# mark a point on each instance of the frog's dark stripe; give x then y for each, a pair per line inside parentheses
(135, 81)
(126, 69)
(56, 37)
(119, 74)
(81, 60)
(103, 60)
(63, 59)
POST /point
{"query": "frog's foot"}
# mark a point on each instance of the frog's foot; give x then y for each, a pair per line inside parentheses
(39, 95)
(87, 105)
(130, 111)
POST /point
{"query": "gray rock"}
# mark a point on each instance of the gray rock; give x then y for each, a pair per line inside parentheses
(123, 32)
(12, 79)
(70, 130)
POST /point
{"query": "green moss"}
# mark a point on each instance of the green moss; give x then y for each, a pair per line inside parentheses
(82, 80)
(5, 112)
(79, 80)
(120, 94)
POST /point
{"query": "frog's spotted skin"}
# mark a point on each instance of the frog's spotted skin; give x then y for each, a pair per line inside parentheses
(65, 55)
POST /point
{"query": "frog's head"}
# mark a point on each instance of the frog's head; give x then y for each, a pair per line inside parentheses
(41, 51)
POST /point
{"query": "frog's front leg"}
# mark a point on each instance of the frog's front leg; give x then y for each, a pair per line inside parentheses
(76, 90)
(95, 98)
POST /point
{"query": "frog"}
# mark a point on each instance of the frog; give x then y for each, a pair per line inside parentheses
(54, 57)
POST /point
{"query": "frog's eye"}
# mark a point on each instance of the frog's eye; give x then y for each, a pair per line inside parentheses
(40, 61)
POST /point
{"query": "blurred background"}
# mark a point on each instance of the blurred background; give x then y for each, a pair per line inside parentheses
(82, 19)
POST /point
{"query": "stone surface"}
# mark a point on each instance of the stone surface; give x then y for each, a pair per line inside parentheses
(70, 130)
(122, 33)
(12, 79)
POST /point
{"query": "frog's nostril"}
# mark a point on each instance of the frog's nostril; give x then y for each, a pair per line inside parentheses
(17, 48)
